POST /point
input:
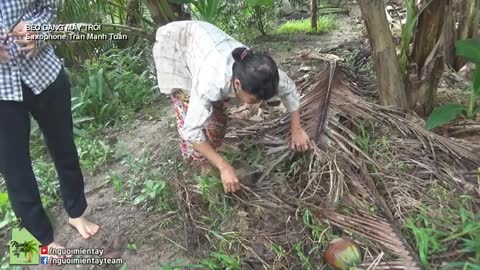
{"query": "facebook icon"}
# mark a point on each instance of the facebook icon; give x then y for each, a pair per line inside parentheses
(44, 260)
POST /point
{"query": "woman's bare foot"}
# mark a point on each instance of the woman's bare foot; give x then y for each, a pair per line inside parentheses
(84, 227)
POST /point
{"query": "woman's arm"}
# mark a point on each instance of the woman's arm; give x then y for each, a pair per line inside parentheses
(229, 178)
(300, 140)
(199, 111)
(287, 91)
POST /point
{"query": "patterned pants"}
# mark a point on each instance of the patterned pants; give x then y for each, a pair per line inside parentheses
(215, 131)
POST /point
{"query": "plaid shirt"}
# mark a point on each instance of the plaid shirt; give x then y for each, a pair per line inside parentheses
(197, 57)
(40, 71)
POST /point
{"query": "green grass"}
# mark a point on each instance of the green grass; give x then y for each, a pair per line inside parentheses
(456, 224)
(325, 24)
(219, 260)
(434, 231)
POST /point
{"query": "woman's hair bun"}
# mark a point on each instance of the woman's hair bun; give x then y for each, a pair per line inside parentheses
(240, 53)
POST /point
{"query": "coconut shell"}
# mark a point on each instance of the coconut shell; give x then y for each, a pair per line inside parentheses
(247, 174)
(342, 254)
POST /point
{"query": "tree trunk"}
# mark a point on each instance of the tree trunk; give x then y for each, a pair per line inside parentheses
(257, 12)
(133, 13)
(156, 12)
(469, 19)
(180, 12)
(451, 36)
(314, 9)
(389, 77)
(427, 59)
(133, 20)
(162, 12)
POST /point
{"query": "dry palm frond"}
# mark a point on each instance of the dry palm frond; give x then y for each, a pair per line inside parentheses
(392, 265)
(374, 228)
(341, 170)
(323, 108)
(347, 109)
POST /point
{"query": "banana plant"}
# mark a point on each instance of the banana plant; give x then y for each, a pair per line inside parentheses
(407, 30)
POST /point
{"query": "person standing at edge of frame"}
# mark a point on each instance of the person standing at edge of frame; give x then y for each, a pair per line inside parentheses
(33, 81)
(201, 68)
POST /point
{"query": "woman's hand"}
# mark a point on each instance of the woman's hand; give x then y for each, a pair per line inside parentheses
(229, 178)
(28, 46)
(227, 172)
(300, 140)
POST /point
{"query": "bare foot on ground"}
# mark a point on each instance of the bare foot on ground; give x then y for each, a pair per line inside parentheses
(86, 228)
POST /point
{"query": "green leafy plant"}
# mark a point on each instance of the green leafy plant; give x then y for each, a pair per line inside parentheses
(47, 179)
(152, 191)
(427, 239)
(259, 9)
(212, 191)
(407, 30)
(132, 246)
(306, 264)
(3, 199)
(470, 50)
(245, 20)
(117, 182)
(220, 260)
(6, 211)
(205, 10)
(110, 88)
(363, 140)
(142, 185)
(93, 153)
(248, 151)
(456, 226)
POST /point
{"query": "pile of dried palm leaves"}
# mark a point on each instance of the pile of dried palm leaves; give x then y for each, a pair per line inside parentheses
(343, 172)
(370, 167)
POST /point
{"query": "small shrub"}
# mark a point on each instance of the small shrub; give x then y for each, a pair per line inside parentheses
(325, 24)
